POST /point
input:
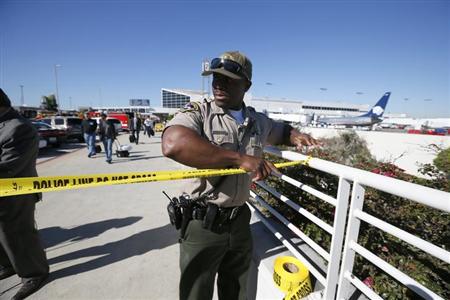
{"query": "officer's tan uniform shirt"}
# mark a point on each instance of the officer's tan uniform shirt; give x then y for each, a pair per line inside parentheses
(220, 128)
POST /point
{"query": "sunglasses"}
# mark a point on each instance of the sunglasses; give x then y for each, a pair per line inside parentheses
(228, 65)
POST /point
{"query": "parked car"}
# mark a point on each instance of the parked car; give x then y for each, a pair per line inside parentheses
(159, 127)
(71, 125)
(53, 136)
(42, 143)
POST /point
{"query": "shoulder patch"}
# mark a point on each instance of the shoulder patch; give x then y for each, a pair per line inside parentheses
(190, 107)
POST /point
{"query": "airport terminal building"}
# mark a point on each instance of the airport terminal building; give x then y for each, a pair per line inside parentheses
(283, 106)
(177, 98)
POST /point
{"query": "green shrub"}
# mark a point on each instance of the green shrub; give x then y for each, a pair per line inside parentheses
(442, 161)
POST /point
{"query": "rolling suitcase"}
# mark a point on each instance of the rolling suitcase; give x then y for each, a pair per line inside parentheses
(122, 150)
(132, 138)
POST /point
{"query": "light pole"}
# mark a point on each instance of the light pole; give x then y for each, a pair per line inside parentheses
(406, 106)
(323, 89)
(205, 67)
(22, 100)
(57, 91)
(100, 98)
(267, 90)
(426, 105)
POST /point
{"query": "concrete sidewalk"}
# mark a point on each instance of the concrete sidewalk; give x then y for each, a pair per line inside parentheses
(116, 242)
(111, 242)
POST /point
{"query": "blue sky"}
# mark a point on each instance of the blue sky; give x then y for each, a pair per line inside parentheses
(112, 51)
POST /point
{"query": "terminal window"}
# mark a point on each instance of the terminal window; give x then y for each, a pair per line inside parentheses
(329, 108)
(174, 100)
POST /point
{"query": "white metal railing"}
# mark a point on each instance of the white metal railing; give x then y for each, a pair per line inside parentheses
(339, 276)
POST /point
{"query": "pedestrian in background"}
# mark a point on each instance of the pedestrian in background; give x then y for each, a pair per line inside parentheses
(89, 126)
(224, 133)
(107, 134)
(148, 124)
(21, 251)
(135, 127)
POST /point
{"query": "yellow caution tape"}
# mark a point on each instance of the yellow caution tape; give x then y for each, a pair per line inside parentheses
(292, 277)
(300, 292)
(29, 185)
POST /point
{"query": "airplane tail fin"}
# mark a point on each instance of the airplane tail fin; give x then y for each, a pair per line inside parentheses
(378, 109)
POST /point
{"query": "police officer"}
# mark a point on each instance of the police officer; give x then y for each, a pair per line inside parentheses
(223, 133)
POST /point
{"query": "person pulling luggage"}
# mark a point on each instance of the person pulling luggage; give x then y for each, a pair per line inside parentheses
(148, 124)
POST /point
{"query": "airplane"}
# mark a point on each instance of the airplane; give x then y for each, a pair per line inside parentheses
(367, 119)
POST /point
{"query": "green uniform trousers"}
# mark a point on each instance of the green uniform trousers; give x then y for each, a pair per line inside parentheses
(226, 252)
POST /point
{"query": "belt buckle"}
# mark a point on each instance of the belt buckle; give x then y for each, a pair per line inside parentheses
(234, 212)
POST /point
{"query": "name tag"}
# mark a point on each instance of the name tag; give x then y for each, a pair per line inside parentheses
(220, 132)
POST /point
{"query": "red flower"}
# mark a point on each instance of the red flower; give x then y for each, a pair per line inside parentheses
(369, 282)
(388, 174)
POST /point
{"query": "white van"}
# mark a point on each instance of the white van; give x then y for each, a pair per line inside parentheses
(72, 126)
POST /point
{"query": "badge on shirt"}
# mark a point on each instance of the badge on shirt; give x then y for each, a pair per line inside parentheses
(190, 107)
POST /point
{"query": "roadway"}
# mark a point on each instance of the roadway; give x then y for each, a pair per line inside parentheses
(49, 153)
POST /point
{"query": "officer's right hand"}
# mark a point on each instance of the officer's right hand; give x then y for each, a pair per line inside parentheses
(260, 169)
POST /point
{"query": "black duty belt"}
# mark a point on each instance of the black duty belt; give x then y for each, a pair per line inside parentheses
(224, 213)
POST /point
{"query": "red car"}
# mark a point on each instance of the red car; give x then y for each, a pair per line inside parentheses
(53, 136)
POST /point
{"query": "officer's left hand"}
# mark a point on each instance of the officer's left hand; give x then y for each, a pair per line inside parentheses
(259, 168)
(302, 139)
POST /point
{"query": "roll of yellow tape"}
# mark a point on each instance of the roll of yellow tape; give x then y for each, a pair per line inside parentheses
(303, 290)
(289, 273)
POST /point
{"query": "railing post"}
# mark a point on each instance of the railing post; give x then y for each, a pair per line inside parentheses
(337, 238)
(357, 202)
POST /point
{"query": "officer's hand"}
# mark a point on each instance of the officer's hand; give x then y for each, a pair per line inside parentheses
(260, 169)
(302, 139)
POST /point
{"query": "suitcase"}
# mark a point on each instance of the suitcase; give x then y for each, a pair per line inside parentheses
(122, 150)
(122, 153)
